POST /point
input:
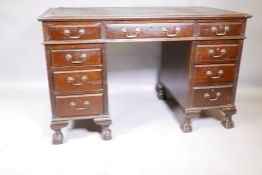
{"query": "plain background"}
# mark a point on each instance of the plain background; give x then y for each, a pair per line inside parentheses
(144, 143)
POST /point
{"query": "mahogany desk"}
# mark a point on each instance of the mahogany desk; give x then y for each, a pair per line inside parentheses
(201, 53)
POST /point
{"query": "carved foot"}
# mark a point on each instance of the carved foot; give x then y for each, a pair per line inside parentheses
(227, 122)
(57, 137)
(161, 92)
(104, 122)
(186, 126)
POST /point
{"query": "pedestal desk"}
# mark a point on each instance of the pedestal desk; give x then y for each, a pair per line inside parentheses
(201, 53)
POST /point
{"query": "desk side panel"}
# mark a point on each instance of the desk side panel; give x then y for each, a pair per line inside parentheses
(174, 69)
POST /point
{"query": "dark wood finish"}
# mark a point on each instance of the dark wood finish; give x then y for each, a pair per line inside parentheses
(91, 31)
(234, 29)
(149, 30)
(215, 73)
(91, 104)
(76, 57)
(201, 53)
(213, 99)
(216, 53)
(79, 80)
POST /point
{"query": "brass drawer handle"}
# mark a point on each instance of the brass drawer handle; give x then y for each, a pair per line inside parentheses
(68, 33)
(210, 74)
(85, 106)
(165, 30)
(137, 31)
(72, 80)
(212, 53)
(215, 30)
(81, 58)
(207, 96)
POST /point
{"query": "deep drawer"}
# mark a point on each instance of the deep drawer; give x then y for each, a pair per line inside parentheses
(67, 106)
(149, 30)
(74, 32)
(208, 96)
(76, 57)
(68, 81)
(214, 73)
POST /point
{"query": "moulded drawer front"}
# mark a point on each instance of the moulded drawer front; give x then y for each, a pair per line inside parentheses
(79, 105)
(74, 32)
(76, 57)
(216, 53)
(220, 29)
(212, 96)
(214, 73)
(76, 81)
(149, 30)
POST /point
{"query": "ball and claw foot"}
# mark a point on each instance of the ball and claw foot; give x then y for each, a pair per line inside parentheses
(227, 122)
(161, 92)
(106, 133)
(57, 138)
(186, 126)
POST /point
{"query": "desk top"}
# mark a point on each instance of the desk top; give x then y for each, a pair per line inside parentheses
(137, 13)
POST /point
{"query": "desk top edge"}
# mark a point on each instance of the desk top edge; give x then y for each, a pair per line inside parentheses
(137, 13)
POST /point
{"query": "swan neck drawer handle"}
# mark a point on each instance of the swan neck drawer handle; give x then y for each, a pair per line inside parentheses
(212, 53)
(71, 80)
(125, 33)
(210, 74)
(215, 30)
(68, 33)
(81, 58)
(86, 104)
(207, 96)
(177, 31)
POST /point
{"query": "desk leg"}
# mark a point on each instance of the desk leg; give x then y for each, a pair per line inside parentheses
(58, 135)
(104, 122)
(186, 124)
(227, 121)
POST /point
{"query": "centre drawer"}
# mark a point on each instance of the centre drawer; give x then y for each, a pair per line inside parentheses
(78, 105)
(148, 30)
(76, 81)
(217, 73)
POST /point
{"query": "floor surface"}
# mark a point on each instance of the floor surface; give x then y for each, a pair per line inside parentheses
(146, 137)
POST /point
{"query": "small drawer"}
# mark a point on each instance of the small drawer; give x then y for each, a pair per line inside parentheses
(212, 96)
(76, 57)
(214, 73)
(220, 29)
(216, 53)
(74, 32)
(79, 105)
(75, 81)
(149, 30)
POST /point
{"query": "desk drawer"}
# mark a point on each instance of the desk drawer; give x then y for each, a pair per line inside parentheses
(214, 73)
(78, 105)
(76, 57)
(212, 96)
(149, 30)
(74, 32)
(216, 53)
(220, 29)
(68, 81)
